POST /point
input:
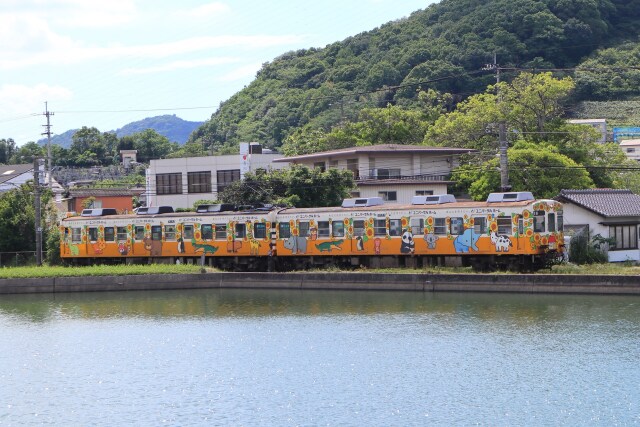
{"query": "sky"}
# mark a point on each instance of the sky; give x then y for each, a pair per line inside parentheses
(107, 63)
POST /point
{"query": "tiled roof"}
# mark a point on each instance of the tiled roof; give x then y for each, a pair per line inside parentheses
(105, 192)
(8, 172)
(605, 202)
(383, 149)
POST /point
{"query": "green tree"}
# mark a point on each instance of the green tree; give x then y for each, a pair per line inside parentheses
(151, 145)
(17, 218)
(7, 150)
(297, 186)
(87, 147)
(26, 153)
(538, 168)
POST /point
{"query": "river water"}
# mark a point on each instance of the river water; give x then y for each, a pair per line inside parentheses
(309, 358)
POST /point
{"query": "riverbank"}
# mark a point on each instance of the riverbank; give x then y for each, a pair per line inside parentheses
(421, 282)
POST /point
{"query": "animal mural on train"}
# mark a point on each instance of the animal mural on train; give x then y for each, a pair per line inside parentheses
(509, 230)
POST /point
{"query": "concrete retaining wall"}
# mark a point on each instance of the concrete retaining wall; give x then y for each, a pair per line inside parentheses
(528, 283)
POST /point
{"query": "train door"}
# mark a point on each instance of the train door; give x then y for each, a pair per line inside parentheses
(480, 230)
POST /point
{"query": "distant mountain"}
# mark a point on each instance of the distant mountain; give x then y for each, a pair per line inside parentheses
(174, 128)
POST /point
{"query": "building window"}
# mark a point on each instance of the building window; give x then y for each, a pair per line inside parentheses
(226, 177)
(284, 230)
(388, 173)
(221, 231)
(626, 237)
(333, 164)
(169, 183)
(352, 165)
(424, 192)
(319, 165)
(631, 150)
(199, 182)
(388, 196)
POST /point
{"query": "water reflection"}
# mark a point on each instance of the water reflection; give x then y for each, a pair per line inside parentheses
(520, 308)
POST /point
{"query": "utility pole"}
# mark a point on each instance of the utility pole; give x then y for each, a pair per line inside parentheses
(502, 134)
(38, 216)
(47, 132)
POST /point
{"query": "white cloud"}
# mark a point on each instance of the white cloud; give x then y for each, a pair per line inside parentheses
(208, 11)
(68, 52)
(20, 99)
(180, 65)
(241, 73)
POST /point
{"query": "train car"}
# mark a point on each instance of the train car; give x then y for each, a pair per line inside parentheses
(509, 230)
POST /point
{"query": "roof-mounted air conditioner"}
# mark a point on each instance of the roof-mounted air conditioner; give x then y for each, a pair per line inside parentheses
(433, 200)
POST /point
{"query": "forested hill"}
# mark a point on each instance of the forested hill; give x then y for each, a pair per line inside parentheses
(170, 126)
(443, 47)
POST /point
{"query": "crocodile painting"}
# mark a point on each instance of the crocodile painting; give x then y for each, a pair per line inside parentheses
(326, 246)
(205, 248)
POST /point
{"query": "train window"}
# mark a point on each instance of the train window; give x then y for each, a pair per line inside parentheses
(93, 234)
(358, 228)
(109, 234)
(521, 226)
(417, 226)
(457, 225)
(207, 231)
(380, 227)
(76, 234)
(504, 225)
(479, 225)
(169, 232)
(121, 233)
(440, 226)
(284, 230)
(156, 232)
(260, 230)
(241, 231)
(139, 232)
(338, 228)
(538, 221)
(560, 221)
(221, 231)
(552, 222)
(303, 228)
(188, 232)
(395, 227)
(323, 229)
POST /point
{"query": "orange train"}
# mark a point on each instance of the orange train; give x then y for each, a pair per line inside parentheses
(509, 230)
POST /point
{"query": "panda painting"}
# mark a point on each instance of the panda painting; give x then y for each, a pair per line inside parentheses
(408, 245)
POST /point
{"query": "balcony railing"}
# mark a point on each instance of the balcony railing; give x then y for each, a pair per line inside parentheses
(423, 177)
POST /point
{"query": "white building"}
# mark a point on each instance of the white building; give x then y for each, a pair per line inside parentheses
(631, 148)
(599, 124)
(183, 181)
(391, 171)
(609, 213)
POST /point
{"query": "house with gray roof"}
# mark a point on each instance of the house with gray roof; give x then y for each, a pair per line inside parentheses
(13, 176)
(393, 172)
(610, 213)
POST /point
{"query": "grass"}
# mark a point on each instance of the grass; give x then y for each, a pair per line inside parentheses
(621, 269)
(96, 270)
